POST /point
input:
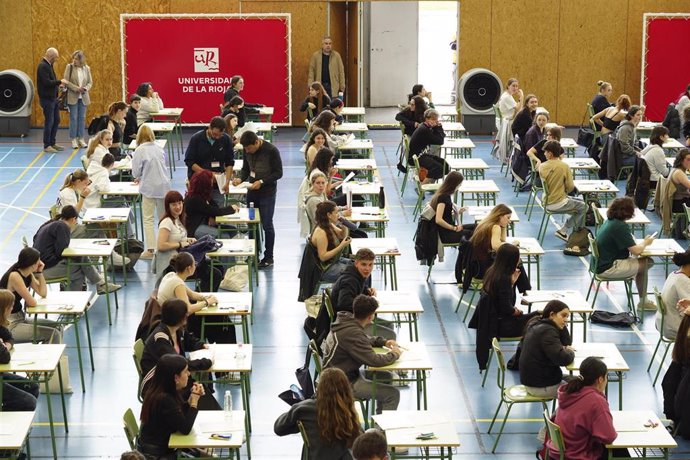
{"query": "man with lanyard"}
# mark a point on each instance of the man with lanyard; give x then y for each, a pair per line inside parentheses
(262, 167)
(212, 149)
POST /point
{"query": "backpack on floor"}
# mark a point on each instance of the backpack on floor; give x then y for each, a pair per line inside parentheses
(579, 238)
(135, 249)
(625, 319)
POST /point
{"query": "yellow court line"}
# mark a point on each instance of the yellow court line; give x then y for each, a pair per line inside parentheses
(38, 198)
(26, 170)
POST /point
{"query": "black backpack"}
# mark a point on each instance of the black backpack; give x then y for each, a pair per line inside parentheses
(97, 124)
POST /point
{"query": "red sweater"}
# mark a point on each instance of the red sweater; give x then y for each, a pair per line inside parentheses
(586, 424)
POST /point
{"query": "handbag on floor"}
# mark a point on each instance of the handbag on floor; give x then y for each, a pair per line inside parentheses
(236, 278)
(54, 382)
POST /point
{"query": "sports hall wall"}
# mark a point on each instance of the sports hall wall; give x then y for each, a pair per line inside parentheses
(557, 48)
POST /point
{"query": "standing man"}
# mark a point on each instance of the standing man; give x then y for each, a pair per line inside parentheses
(326, 66)
(47, 85)
(211, 149)
(262, 167)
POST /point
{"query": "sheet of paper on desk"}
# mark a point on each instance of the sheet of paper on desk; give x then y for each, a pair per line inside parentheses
(208, 353)
(346, 180)
(631, 423)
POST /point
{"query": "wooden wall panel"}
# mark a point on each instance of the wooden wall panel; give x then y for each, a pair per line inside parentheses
(475, 35)
(520, 47)
(15, 23)
(308, 21)
(585, 56)
(207, 6)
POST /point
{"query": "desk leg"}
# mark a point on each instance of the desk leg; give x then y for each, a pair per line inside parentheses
(88, 337)
(81, 364)
(538, 272)
(416, 329)
(245, 329)
(203, 318)
(394, 273)
(62, 399)
(620, 390)
(107, 294)
(50, 416)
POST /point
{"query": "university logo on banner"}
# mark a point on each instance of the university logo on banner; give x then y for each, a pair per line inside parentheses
(206, 60)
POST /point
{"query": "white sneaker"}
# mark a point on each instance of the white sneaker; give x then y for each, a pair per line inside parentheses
(119, 260)
(110, 287)
(82, 143)
(75, 143)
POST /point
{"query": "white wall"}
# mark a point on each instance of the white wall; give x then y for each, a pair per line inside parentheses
(393, 41)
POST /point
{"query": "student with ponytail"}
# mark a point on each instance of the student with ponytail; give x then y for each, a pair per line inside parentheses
(74, 190)
(584, 416)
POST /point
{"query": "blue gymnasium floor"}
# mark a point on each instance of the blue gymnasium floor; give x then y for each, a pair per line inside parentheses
(29, 181)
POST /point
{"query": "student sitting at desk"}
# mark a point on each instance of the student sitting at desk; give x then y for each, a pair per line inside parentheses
(151, 102)
(348, 347)
(172, 286)
(99, 175)
(616, 244)
(21, 393)
(316, 101)
(584, 416)
(165, 410)
(329, 419)
(336, 106)
(131, 126)
(447, 213)
(330, 240)
(171, 336)
(51, 239)
(413, 115)
(235, 107)
(99, 145)
(676, 382)
(546, 347)
(536, 132)
(430, 133)
(326, 121)
(236, 86)
(655, 157)
(317, 139)
(200, 207)
(116, 124)
(675, 294)
(25, 274)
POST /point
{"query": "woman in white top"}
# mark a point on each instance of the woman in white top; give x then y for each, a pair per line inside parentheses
(508, 107)
(150, 102)
(79, 82)
(676, 288)
(654, 155)
(99, 174)
(173, 286)
(683, 101)
(74, 191)
(172, 236)
(99, 145)
(152, 175)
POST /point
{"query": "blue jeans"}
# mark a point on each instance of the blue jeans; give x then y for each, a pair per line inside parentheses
(77, 119)
(51, 113)
(266, 204)
(204, 229)
(20, 395)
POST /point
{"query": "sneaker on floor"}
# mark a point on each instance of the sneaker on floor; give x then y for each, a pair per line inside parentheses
(58, 147)
(110, 287)
(401, 168)
(146, 255)
(647, 305)
(119, 260)
(75, 143)
(50, 149)
(562, 235)
(266, 262)
(401, 450)
(82, 143)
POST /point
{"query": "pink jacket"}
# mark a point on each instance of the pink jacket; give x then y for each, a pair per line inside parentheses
(586, 424)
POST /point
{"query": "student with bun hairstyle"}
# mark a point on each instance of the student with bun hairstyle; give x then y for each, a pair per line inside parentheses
(609, 118)
(584, 416)
(676, 295)
(336, 106)
(546, 347)
(601, 99)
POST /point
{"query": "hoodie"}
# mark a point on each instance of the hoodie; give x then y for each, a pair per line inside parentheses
(347, 347)
(586, 424)
(543, 354)
(348, 286)
(100, 182)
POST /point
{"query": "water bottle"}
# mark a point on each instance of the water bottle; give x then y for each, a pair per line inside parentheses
(252, 213)
(227, 405)
(382, 200)
(239, 354)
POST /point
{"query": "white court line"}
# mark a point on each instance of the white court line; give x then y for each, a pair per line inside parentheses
(1, 159)
(28, 183)
(9, 206)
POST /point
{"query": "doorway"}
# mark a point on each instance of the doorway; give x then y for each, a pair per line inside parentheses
(438, 24)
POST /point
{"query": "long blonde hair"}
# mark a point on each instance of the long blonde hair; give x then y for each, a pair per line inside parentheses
(78, 174)
(481, 237)
(95, 141)
(145, 134)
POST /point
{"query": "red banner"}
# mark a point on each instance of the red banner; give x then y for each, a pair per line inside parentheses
(190, 60)
(666, 67)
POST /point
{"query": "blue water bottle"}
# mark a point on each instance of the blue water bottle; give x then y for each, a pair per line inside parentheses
(252, 214)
